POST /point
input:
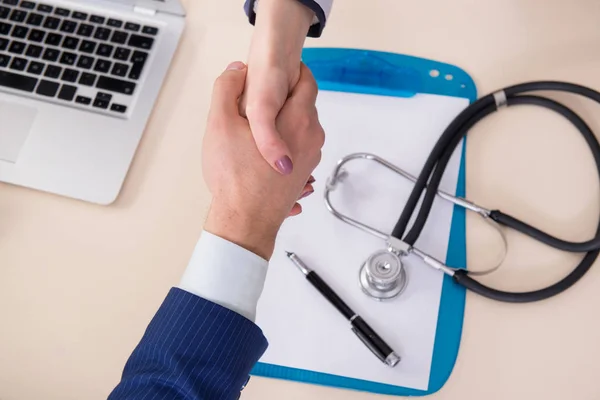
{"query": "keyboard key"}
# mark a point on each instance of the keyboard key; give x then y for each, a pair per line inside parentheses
(70, 42)
(4, 12)
(54, 39)
(67, 92)
(139, 57)
(44, 8)
(17, 81)
(20, 31)
(87, 47)
(85, 62)
(53, 71)
(104, 96)
(51, 23)
(5, 28)
(86, 101)
(51, 55)
(67, 58)
(18, 64)
(79, 15)
(62, 12)
(130, 26)
(85, 30)
(102, 33)
(102, 65)
(119, 37)
(70, 75)
(118, 108)
(35, 68)
(68, 26)
(47, 88)
(35, 19)
(87, 79)
(96, 19)
(11, 2)
(37, 35)
(28, 4)
(105, 50)
(4, 60)
(18, 15)
(120, 69)
(143, 42)
(34, 51)
(3, 43)
(122, 54)
(17, 47)
(115, 85)
(139, 61)
(115, 23)
(101, 104)
(150, 30)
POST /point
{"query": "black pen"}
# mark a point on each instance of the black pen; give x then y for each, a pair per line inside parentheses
(364, 332)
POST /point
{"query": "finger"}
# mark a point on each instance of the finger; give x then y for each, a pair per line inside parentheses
(307, 191)
(297, 209)
(268, 140)
(228, 88)
(306, 90)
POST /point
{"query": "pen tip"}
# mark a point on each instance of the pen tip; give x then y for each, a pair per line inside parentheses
(289, 254)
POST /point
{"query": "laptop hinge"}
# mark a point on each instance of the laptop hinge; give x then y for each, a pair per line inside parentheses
(145, 11)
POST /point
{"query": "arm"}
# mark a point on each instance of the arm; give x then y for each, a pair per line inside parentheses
(281, 27)
(202, 343)
(320, 9)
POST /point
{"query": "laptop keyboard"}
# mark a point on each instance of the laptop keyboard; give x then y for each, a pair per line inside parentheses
(72, 57)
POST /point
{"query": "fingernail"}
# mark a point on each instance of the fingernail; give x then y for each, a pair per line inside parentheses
(236, 65)
(284, 165)
(306, 194)
(311, 180)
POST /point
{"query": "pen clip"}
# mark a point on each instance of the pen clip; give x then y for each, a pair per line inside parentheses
(369, 344)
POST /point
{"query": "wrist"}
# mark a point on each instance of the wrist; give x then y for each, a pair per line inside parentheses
(281, 29)
(249, 230)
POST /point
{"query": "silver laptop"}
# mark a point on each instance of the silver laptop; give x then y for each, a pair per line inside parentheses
(78, 81)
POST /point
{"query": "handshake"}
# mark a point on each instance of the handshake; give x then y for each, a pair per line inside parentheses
(258, 167)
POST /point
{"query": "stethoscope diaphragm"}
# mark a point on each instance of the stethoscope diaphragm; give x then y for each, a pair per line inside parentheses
(382, 276)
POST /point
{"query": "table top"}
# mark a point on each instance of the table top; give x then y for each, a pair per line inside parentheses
(79, 283)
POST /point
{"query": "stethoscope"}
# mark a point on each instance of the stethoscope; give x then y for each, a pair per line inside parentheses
(383, 276)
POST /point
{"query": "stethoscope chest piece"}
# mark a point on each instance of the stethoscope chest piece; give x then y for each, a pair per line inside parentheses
(382, 276)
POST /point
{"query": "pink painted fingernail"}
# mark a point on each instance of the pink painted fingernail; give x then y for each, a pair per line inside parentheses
(306, 194)
(284, 165)
(236, 65)
(311, 180)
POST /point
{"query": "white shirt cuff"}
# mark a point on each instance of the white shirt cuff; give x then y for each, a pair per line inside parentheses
(225, 273)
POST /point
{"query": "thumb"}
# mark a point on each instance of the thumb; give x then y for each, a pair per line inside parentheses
(228, 89)
(268, 140)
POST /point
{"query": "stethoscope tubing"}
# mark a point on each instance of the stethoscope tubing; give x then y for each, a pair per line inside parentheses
(430, 177)
(339, 174)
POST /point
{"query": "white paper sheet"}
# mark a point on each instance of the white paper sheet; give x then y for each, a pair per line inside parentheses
(303, 329)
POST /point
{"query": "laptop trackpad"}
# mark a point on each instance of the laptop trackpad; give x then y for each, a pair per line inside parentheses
(15, 123)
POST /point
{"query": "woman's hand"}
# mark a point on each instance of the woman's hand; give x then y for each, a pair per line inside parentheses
(273, 72)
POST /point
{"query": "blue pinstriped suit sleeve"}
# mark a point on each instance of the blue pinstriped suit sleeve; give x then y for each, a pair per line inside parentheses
(192, 349)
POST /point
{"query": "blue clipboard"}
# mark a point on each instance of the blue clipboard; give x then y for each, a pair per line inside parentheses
(388, 74)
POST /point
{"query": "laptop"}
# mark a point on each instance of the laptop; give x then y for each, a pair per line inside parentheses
(78, 81)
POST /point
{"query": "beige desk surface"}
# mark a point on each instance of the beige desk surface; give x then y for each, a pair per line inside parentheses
(79, 283)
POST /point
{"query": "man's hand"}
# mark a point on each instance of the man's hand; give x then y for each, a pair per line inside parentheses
(250, 199)
(273, 72)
